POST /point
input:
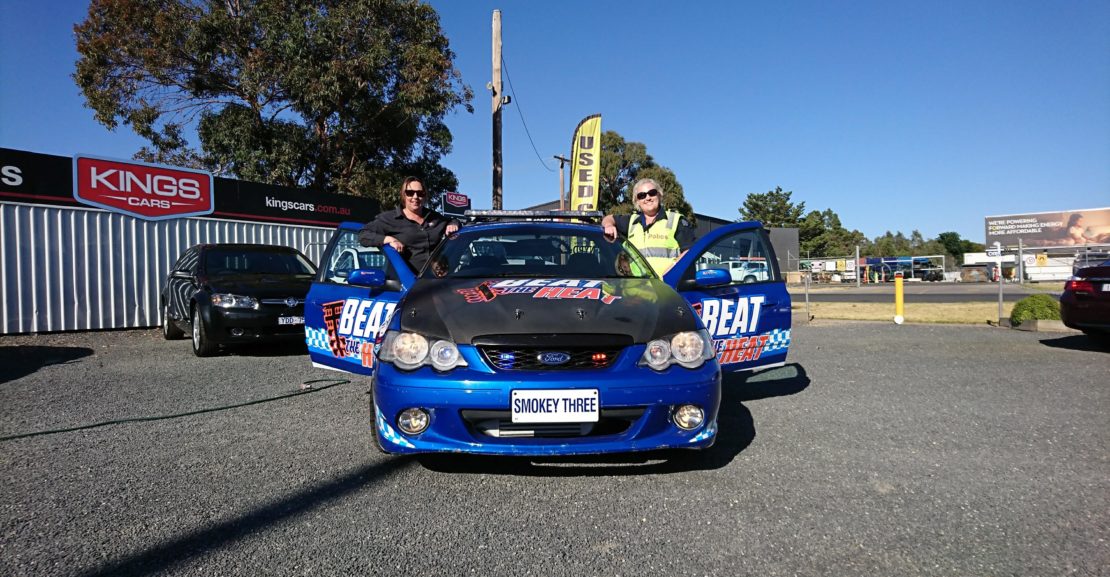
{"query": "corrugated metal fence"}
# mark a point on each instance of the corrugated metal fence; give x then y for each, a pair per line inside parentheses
(65, 269)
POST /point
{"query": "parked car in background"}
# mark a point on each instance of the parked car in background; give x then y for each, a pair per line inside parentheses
(746, 271)
(545, 338)
(225, 294)
(1085, 304)
(1087, 259)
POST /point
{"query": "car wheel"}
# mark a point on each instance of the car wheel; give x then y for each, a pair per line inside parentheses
(1100, 339)
(170, 330)
(749, 279)
(202, 345)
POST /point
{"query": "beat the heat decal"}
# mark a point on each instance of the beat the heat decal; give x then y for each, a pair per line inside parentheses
(734, 325)
(539, 289)
(350, 328)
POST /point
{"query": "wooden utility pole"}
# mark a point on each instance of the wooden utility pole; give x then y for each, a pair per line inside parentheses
(495, 86)
(562, 187)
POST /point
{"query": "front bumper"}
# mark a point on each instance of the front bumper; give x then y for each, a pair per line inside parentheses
(636, 405)
(229, 326)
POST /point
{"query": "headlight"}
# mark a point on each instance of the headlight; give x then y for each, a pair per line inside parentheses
(658, 354)
(410, 351)
(444, 355)
(230, 301)
(688, 348)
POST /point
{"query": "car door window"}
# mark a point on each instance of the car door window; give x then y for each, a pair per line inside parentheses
(743, 255)
(348, 256)
(188, 261)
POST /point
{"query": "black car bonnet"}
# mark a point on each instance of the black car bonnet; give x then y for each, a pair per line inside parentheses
(466, 308)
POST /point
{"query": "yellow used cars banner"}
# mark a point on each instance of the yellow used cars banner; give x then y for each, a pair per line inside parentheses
(585, 160)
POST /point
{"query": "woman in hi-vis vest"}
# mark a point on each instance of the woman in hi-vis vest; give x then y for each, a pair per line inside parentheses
(662, 236)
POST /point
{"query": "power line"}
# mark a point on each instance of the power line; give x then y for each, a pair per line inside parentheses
(521, 113)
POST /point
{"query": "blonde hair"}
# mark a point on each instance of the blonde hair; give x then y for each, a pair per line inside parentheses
(654, 185)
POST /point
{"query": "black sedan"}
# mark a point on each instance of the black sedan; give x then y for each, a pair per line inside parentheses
(236, 293)
(1085, 304)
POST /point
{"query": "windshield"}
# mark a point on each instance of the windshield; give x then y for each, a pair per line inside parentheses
(536, 251)
(222, 261)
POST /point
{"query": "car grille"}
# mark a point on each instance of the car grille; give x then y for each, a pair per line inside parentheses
(529, 359)
(280, 302)
(499, 424)
(551, 352)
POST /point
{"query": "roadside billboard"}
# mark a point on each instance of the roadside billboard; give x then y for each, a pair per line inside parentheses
(1072, 227)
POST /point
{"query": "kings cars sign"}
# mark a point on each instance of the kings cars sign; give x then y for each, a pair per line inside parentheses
(146, 191)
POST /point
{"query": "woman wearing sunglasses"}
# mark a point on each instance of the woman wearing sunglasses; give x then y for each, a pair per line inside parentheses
(662, 236)
(412, 229)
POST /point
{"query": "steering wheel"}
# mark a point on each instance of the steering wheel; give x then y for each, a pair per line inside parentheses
(561, 244)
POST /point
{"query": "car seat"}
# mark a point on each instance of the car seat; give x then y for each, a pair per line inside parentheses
(583, 264)
(485, 261)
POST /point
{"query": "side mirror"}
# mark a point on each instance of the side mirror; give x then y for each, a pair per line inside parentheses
(711, 277)
(369, 277)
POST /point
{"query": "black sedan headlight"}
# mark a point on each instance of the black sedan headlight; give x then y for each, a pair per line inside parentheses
(230, 301)
(410, 351)
(689, 349)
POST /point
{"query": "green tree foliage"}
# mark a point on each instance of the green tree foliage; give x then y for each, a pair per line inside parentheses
(821, 234)
(956, 246)
(622, 164)
(337, 95)
(774, 209)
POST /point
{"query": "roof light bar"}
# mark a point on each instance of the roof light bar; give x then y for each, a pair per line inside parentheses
(589, 215)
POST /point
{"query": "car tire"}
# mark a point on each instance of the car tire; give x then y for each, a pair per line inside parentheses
(170, 330)
(749, 279)
(202, 344)
(1100, 339)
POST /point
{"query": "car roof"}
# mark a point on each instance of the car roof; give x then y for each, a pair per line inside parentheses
(247, 246)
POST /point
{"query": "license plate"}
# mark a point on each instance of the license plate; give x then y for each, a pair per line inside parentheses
(555, 406)
(290, 320)
(1106, 287)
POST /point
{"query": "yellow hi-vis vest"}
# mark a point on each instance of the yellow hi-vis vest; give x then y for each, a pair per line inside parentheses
(658, 243)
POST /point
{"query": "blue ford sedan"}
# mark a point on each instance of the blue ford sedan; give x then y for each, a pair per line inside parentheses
(545, 338)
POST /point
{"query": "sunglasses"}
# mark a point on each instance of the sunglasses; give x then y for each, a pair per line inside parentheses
(412, 192)
(642, 195)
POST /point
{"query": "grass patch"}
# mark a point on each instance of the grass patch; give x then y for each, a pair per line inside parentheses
(1045, 287)
(955, 313)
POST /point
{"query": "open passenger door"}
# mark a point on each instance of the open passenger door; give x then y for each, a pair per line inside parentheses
(732, 280)
(350, 302)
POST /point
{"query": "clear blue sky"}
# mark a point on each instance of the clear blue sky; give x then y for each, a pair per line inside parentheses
(897, 115)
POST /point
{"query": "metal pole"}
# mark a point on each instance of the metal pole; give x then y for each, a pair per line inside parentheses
(808, 272)
(562, 187)
(857, 266)
(998, 247)
(495, 86)
(1021, 262)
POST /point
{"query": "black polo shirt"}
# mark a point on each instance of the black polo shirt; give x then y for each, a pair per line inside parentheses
(684, 233)
(419, 239)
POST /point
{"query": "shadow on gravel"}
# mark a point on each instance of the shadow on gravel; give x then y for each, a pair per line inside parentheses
(737, 431)
(266, 350)
(1078, 343)
(19, 361)
(161, 558)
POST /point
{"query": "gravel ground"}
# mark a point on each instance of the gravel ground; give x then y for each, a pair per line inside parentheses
(882, 450)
